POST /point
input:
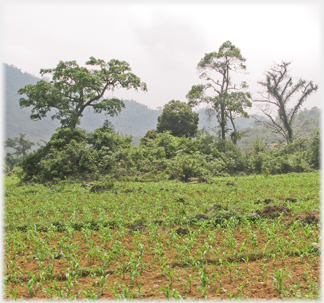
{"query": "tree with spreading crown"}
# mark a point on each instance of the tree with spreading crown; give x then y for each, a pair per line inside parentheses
(74, 88)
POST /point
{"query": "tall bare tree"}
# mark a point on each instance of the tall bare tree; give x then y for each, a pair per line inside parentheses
(280, 92)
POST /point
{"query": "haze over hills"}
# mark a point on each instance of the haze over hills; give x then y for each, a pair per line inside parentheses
(136, 119)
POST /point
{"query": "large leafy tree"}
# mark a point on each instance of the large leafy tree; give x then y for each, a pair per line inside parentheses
(227, 100)
(178, 118)
(280, 92)
(73, 88)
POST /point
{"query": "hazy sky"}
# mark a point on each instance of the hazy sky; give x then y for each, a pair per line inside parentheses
(163, 42)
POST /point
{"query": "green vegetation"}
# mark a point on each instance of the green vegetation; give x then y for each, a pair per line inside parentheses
(184, 214)
(178, 118)
(161, 156)
(236, 237)
(135, 119)
(226, 103)
(74, 88)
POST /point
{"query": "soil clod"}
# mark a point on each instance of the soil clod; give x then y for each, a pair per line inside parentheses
(202, 179)
(137, 227)
(308, 219)
(266, 201)
(181, 199)
(273, 211)
(291, 200)
(311, 219)
(203, 217)
(182, 231)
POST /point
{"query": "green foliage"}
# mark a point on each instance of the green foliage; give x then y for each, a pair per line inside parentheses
(64, 136)
(59, 141)
(106, 138)
(73, 153)
(185, 166)
(135, 119)
(226, 105)
(301, 155)
(70, 160)
(70, 152)
(178, 118)
(151, 134)
(73, 88)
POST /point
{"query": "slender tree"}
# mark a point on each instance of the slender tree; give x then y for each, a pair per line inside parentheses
(280, 92)
(73, 88)
(227, 100)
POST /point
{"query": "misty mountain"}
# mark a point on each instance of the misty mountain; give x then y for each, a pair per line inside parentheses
(136, 119)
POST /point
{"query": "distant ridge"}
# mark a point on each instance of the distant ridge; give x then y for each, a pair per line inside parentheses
(136, 119)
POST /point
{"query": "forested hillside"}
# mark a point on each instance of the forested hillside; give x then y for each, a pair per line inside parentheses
(136, 119)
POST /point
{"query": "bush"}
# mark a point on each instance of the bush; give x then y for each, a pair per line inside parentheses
(73, 159)
(106, 138)
(71, 153)
(184, 166)
(30, 163)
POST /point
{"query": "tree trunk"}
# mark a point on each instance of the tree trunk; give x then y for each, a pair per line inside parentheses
(290, 133)
(284, 119)
(223, 121)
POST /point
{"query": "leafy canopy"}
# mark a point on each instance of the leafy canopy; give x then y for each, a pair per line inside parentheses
(73, 88)
(226, 100)
(178, 118)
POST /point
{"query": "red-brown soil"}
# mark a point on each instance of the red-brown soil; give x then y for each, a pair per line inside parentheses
(247, 274)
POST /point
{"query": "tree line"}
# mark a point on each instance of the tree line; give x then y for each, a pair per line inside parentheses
(73, 88)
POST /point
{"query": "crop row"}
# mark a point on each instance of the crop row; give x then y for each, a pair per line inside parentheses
(244, 237)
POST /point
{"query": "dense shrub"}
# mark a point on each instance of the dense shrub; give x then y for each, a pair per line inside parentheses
(30, 163)
(75, 153)
(150, 135)
(72, 159)
(105, 138)
(184, 166)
